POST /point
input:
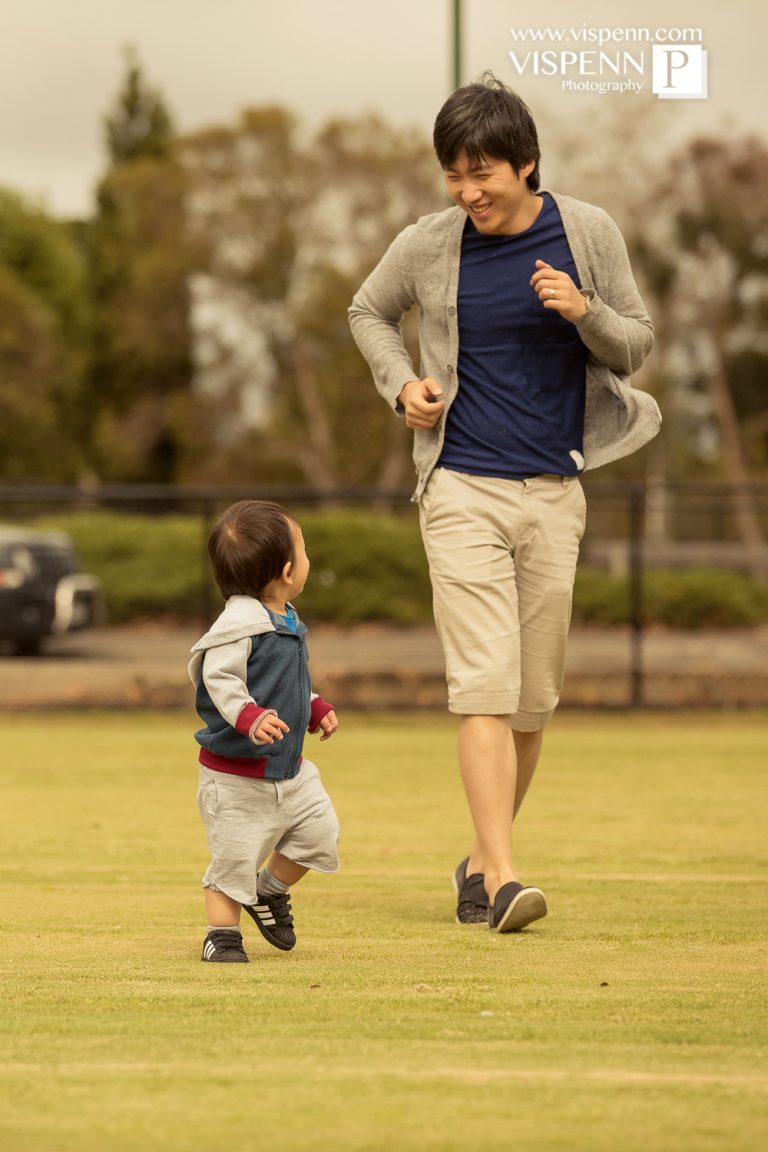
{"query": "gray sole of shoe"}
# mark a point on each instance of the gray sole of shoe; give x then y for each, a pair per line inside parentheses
(527, 906)
(206, 961)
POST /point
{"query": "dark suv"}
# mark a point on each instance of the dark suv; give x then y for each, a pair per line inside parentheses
(42, 590)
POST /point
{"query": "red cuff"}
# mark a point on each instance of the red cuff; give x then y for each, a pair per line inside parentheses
(320, 708)
(248, 717)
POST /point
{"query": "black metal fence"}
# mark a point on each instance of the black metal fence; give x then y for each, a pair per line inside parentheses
(633, 529)
(638, 529)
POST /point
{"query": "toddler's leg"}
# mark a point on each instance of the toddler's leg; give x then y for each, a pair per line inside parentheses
(272, 912)
(223, 911)
(285, 871)
(224, 942)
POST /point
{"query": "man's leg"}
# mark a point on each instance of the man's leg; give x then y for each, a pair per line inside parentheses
(489, 772)
(528, 750)
(497, 766)
(470, 527)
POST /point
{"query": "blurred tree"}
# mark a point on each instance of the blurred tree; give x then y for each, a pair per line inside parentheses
(290, 231)
(44, 339)
(583, 158)
(140, 126)
(140, 262)
(706, 258)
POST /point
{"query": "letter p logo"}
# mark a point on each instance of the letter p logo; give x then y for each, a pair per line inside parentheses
(676, 59)
(680, 73)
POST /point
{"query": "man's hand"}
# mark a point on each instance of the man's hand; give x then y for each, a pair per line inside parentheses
(422, 403)
(557, 292)
(328, 725)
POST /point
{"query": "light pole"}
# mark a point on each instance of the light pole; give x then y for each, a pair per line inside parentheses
(457, 43)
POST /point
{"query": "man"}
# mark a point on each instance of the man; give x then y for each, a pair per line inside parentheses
(531, 324)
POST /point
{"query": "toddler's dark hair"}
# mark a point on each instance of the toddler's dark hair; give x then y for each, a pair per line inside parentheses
(250, 546)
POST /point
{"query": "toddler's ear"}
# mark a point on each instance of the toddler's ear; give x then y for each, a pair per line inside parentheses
(287, 570)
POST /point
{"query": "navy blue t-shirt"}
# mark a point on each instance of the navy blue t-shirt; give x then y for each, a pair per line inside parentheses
(519, 410)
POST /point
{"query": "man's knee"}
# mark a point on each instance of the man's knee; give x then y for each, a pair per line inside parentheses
(531, 722)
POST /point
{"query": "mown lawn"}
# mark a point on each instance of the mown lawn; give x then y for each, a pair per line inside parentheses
(632, 1018)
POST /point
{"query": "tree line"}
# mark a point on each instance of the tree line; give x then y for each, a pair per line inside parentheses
(193, 328)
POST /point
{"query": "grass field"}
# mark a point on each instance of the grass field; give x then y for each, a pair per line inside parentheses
(634, 1017)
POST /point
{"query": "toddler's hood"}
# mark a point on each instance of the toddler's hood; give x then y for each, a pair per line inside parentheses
(242, 616)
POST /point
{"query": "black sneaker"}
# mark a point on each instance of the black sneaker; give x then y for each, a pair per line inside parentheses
(272, 915)
(515, 906)
(472, 898)
(223, 946)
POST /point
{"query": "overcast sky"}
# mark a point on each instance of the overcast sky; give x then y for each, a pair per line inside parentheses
(61, 63)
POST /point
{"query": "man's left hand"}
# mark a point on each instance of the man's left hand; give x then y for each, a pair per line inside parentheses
(558, 292)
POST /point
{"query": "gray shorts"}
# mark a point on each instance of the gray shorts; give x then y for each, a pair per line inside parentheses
(246, 819)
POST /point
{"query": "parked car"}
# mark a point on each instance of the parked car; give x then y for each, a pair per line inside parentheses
(42, 590)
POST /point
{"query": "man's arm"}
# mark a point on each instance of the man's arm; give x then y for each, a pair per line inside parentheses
(375, 317)
(616, 328)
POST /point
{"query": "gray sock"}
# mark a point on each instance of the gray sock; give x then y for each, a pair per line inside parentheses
(225, 928)
(269, 885)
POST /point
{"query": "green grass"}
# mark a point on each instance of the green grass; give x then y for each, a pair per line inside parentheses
(632, 1018)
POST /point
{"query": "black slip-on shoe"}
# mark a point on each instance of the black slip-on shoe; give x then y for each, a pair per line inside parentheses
(223, 946)
(272, 916)
(472, 907)
(515, 906)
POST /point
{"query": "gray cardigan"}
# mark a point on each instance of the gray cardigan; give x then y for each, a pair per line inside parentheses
(421, 267)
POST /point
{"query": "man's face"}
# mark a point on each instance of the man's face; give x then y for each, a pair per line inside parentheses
(496, 198)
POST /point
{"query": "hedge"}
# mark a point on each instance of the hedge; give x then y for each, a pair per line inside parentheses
(367, 566)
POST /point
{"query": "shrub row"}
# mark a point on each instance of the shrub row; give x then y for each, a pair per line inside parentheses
(367, 566)
(681, 598)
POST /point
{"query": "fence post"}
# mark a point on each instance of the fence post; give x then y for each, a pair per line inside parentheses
(637, 622)
(206, 598)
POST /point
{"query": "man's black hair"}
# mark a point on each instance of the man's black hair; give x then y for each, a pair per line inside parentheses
(487, 120)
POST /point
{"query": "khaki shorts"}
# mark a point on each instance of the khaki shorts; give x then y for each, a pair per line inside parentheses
(246, 819)
(502, 559)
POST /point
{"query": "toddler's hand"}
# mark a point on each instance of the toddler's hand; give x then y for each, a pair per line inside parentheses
(328, 724)
(269, 729)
